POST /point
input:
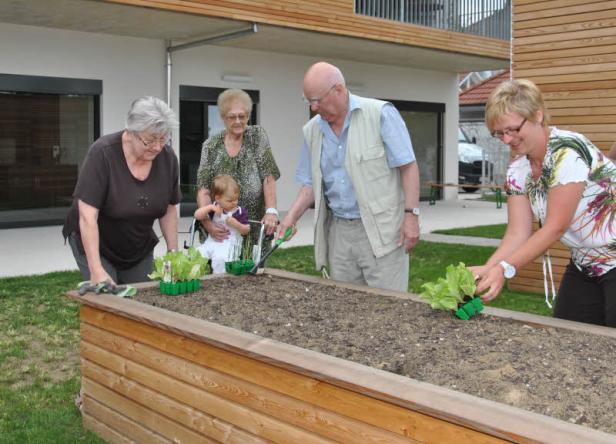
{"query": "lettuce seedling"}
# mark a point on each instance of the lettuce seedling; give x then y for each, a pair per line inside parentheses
(184, 267)
(446, 293)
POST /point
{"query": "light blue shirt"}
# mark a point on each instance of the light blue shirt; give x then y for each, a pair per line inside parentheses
(337, 185)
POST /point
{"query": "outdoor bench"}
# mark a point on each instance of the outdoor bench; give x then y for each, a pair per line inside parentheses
(434, 186)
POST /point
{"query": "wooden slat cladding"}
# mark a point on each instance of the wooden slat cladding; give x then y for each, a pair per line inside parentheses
(334, 17)
(146, 375)
(151, 375)
(568, 48)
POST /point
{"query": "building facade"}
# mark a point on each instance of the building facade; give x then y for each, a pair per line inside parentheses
(69, 74)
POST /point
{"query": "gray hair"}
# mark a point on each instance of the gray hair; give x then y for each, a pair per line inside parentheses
(228, 96)
(151, 114)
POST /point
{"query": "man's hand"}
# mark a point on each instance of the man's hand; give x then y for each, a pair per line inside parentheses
(284, 226)
(409, 232)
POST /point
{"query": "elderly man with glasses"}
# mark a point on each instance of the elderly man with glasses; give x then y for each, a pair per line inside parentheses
(358, 168)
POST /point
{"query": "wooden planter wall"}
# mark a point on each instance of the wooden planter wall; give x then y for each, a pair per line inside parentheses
(568, 48)
(152, 376)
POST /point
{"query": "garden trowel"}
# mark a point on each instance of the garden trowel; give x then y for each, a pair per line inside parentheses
(269, 253)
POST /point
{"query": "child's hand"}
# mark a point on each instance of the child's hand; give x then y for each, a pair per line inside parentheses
(217, 209)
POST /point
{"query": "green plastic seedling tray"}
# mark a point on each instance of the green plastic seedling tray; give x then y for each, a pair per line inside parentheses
(469, 309)
(179, 287)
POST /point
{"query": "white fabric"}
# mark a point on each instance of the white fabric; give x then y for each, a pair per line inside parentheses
(220, 252)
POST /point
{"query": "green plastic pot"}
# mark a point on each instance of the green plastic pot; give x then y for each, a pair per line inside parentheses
(239, 267)
(180, 287)
(469, 308)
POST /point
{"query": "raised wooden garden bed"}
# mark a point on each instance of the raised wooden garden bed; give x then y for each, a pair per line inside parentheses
(152, 376)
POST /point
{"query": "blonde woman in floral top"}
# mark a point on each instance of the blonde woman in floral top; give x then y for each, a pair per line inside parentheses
(243, 152)
(565, 182)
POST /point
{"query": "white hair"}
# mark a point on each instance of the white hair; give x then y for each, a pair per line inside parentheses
(151, 114)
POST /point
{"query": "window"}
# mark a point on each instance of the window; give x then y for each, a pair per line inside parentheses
(46, 128)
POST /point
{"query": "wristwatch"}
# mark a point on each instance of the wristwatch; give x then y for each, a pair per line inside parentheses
(509, 270)
(414, 211)
(271, 211)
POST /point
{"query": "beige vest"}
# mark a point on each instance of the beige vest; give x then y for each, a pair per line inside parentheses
(378, 188)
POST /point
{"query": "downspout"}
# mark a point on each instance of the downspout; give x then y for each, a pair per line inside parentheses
(212, 39)
(168, 66)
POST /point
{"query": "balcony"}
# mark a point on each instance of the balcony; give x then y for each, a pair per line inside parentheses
(485, 18)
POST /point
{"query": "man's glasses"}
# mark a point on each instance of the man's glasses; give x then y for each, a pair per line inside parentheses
(511, 132)
(234, 117)
(149, 143)
(320, 99)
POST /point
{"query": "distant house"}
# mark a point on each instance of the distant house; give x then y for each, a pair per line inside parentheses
(472, 102)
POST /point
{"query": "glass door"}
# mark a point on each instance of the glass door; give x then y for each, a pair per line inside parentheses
(424, 122)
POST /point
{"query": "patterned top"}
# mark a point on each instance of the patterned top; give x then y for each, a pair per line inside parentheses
(254, 162)
(572, 158)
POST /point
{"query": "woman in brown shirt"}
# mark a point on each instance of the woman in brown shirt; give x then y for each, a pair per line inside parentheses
(127, 181)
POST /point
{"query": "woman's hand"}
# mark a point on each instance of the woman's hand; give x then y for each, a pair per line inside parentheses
(217, 231)
(270, 221)
(101, 276)
(492, 279)
(479, 271)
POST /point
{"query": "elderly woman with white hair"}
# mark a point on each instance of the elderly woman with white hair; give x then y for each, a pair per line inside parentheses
(243, 152)
(127, 181)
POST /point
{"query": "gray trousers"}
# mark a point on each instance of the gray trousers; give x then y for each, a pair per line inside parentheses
(137, 273)
(351, 258)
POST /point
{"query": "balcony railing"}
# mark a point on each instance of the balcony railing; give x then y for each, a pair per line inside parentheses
(488, 18)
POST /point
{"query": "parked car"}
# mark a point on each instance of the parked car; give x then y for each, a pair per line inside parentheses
(470, 159)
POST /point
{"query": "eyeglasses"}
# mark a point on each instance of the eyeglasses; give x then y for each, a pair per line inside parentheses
(320, 99)
(148, 143)
(511, 132)
(234, 117)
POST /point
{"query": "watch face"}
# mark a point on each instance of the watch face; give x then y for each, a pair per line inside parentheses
(509, 270)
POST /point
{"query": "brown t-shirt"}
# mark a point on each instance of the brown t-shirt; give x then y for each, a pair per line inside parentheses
(127, 206)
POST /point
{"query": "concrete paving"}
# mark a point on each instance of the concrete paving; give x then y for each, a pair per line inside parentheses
(27, 251)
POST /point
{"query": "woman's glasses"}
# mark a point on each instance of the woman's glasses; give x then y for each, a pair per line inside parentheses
(149, 143)
(511, 132)
(234, 117)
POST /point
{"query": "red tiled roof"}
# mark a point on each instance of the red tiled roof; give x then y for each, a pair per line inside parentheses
(478, 94)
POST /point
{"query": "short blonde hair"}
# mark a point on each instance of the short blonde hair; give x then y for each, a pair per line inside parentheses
(519, 96)
(228, 96)
(223, 185)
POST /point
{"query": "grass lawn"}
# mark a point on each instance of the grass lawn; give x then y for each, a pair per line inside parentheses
(39, 361)
(490, 231)
(39, 340)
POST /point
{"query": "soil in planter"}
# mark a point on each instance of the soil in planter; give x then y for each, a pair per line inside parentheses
(560, 373)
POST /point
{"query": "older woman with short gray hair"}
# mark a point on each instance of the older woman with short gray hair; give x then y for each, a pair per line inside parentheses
(128, 180)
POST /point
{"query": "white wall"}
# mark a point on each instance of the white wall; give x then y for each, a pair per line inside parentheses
(132, 67)
(129, 67)
(279, 77)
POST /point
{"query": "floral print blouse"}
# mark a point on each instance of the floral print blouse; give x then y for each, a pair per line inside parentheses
(254, 162)
(572, 158)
